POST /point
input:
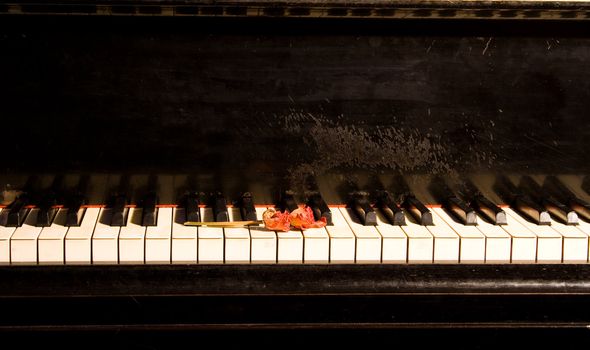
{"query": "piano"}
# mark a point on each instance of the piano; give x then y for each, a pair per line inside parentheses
(445, 143)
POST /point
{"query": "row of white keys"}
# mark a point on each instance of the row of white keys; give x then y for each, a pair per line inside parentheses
(5, 235)
(549, 241)
(368, 239)
(472, 249)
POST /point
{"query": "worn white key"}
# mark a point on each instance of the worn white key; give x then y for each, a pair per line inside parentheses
(5, 235)
(524, 242)
(584, 227)
(446, 241)
(473, 242)
(23, 243)
(132, 239)
(184, 239)
(290, 247)
(342, 239)
(237, 240)
(105, 240)
(211, 241)
(51, 240)
(79, 239)
(264, 243)
(368, 239)
(549, 242)
(316, 246)
(395, 241)
(158, 238)
(498, 242)
(575, 242)
(420, 242)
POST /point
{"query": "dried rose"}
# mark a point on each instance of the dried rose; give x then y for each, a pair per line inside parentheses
(302, 218)
(275, 220)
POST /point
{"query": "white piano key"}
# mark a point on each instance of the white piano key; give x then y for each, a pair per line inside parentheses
(264, 243)
(23, 243)
(342, 239)
(210, 245)
(584, 227)
(316, 246)
(575, 242)
(105, 240)
(290, 247)
(549, 242)
(420, 242)
(368, 239)
(446, 241)
(498, 242)
(78, 243)
(51, 240)
(5, 235)
(237, 240)
(395, 241)
(158, 238)
(473, 242)
(524, 242)
(132, 239)
(184, 240)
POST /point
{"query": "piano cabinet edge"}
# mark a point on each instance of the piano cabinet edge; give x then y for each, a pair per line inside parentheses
(297, 280)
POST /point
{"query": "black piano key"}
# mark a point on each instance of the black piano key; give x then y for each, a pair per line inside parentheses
(489, 210)
(287, 201)
(418, 210)
(319, 208)
(531, 210)
(219, 206)
(47, 212)
(362, 208)
(191, 205)
(149, 212)
(247, 209)
(18, 212)
(389, 208)
(75, 212)
(454, 205)
(119, 211)
(581, 207)
(461, 211)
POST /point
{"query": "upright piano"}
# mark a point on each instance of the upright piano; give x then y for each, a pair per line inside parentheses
(445, 143)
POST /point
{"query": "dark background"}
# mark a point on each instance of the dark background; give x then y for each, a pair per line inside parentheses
(277, 97)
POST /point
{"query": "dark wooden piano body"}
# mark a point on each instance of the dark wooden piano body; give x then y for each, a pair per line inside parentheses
(227, 91)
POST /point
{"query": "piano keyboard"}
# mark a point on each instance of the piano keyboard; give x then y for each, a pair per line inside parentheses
(347, 241)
